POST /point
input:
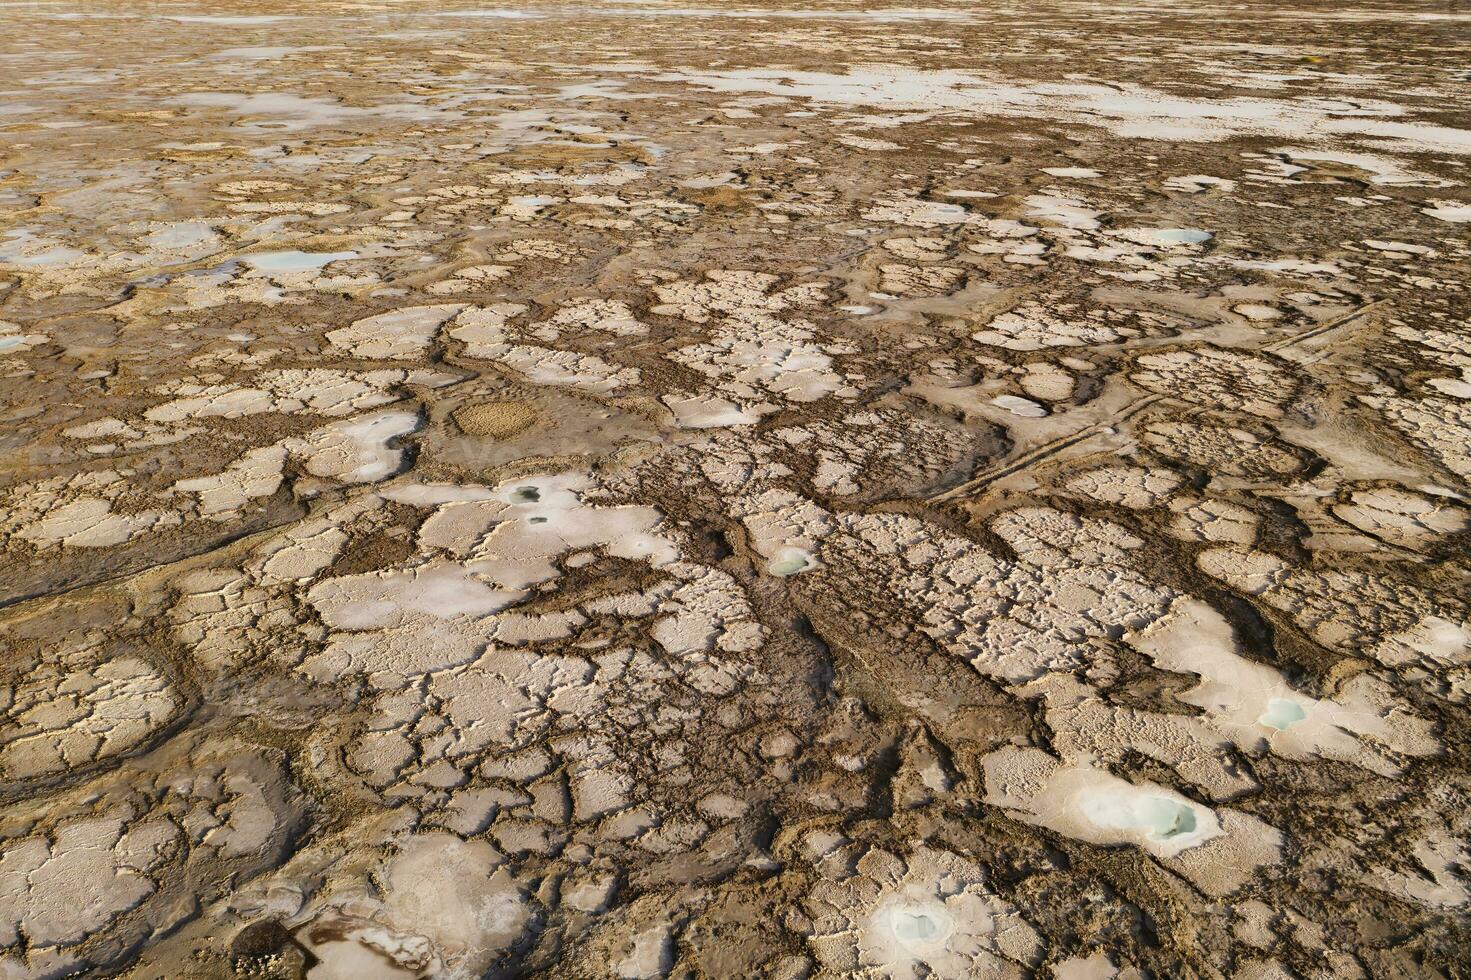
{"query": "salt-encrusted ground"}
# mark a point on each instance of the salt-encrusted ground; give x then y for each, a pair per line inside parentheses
(735, 491)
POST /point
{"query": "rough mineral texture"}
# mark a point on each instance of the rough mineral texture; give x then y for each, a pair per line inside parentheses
(749, 489)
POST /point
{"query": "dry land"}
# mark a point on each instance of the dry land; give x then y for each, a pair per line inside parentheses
(735, 491)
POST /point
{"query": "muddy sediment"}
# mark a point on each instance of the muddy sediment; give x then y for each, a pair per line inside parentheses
(735, 491)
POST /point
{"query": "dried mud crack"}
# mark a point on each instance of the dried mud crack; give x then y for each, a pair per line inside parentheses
(735, 491)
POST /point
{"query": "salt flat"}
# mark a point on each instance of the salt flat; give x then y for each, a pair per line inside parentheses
(735, 490)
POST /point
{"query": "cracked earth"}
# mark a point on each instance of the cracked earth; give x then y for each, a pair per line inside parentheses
(735, 490)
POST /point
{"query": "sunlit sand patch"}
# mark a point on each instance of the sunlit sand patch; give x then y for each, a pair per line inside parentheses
(495, 419)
